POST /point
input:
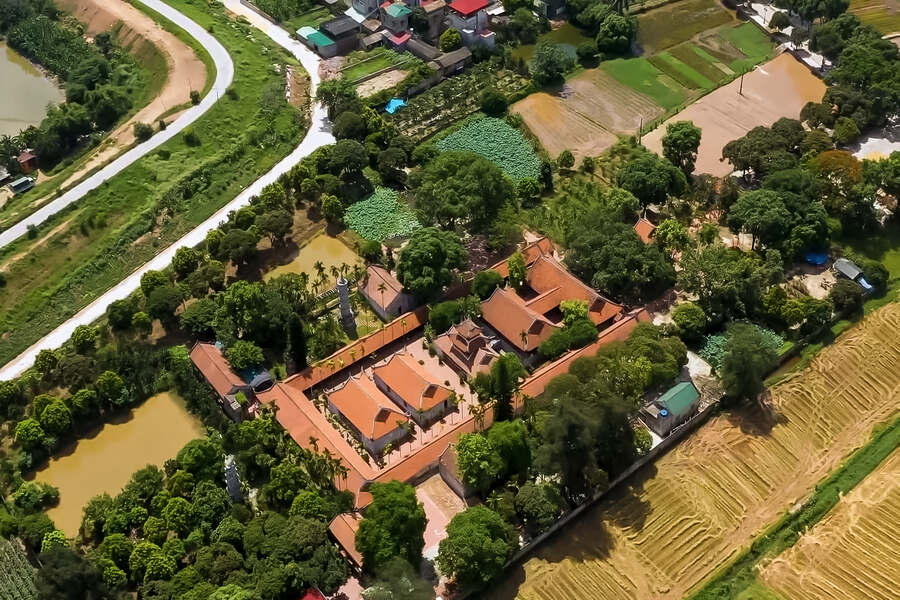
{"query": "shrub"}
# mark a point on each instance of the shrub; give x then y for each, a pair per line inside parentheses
(195, 97)
(691, 320)
(191, 138)
(450, 40)
(485, 283)
(493, 102)
(143, 131)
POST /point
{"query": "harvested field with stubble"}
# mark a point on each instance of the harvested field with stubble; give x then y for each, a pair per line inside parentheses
(683, 517)
(852, 553)
(586, 120)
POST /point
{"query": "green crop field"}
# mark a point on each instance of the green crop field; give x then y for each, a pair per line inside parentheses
(361, 63)
(640, 75)
(702, 62)
(678, 22)
(752, 42)
(78, 254)
(313, 18)
(681, 72)
(498, 142)
(878, 14)
(381, 216)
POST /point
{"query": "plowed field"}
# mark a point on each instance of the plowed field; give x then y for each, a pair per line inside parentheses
(852, 553)
(697, 506)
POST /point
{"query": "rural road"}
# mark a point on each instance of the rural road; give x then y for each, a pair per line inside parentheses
(224, 75)
(319, 134)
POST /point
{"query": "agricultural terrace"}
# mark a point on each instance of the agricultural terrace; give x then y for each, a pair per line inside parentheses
(850, 554)
(778, 88)
(454, 99)
(78, 254)
(381, 216)
(681, 63)
(883, 15)
(684, 516)
(498, 142)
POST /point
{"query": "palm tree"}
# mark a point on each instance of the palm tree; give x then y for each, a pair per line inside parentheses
(620, 6)
(335, 272)
(403, 326)
(344, 268)
(478, 411)
(523, 335)
(319, 266)
(382, 288)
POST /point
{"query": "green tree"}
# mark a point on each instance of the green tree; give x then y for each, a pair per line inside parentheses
(485, 283)
(110, 387)
(846, 131)
(847, 296)
(763, 215)
(565, 160)
(616, 33)
(538, 505)
(338, 95)
(152, 280)
(332, 209)
(84, 338)
(244, 355)
(671, 236)
(117, 548)
(203, 458)
(518, 272)
(142, 323)
(460, 187)
(651, 179)
(163, 302)
(691, 321)
(310, 505)
(30, 435)
(54, 539)
(349, 125)
(450, 40)
(779, 21)
(56, 418)
(493, 102)
(550, 63)
(477, 546)
(394, 525)
(185, 261)
(119, 314)
(199, 318)
(748, 358)
(179, 516)
(398, 580)
(478, 463)
(66, 575)
(680, 144)
(428, 261)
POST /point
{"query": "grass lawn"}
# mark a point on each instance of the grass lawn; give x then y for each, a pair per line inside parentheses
(640, 75)
(78, 254)
(313, 18)
(752, 42)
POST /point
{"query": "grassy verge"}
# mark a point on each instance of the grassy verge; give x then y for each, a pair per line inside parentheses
(83, 251)
(739, 576)
(312, 18)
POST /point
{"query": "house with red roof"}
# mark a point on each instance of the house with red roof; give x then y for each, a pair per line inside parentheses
(645, 228)
(369, 414)
(470, 18)
(413, 388)
(385, 293)
(466, 348)
(235, 395)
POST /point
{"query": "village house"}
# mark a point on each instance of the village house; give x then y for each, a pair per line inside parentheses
(28, 161)
(435, 13)
(470, 18)
(412, 388)
(317, 41)
(369, 414)
(644, 228)
(21, 185)
(672, 409)
(466, 348)
(344, 31)
(360, 10)
(385, 293)
(450, 63)
(236, 395)
(395, 17)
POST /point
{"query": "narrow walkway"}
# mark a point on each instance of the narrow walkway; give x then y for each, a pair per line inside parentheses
(319, 134)
(224, 75)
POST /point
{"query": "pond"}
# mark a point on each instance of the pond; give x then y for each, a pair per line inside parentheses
(568, 36)
(25, 92)
(331, 251)
(152, 433)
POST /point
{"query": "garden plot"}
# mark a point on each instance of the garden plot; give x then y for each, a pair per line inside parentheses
(778, 88)
(381, 216)
(586, 120)
(852, 553)
(883, 15)
(682, 518)
(678, 22)
(497, 141)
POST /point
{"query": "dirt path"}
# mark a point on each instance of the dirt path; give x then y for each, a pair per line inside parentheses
(186, 72)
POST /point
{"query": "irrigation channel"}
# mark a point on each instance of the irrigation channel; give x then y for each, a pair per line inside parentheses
(319, 134)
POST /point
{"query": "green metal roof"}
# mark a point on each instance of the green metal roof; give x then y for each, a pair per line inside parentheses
(679, 398)
(397, 10)
(320, 39)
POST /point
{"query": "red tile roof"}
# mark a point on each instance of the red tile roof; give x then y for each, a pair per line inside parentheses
(644, 229)
(343, 527)
(367, 408)
(620, 330)
(531, 252)
(358, 350)
(375, 276)
(398, 40)
(312, 594)
(468, 7)
(506, 312)
(555, 283)
(208, 358)
(406, 377)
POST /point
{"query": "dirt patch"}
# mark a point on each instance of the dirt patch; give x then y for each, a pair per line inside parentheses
(297, 88)
(683, 517)
(852, 553)
(586, 115)
(441, 505)
(778, 88)
(186, 72)
(381, 82)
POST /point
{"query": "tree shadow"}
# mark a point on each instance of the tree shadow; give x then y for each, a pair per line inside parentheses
(758, 418)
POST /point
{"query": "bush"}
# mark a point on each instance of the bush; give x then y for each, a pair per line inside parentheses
(244, 354)
(450, 40)
(845, 130)
(847, 296)
(195, 97)
(493, 102)
(779, 21)
(191, 138)
(691, 321)
(143, 131)
(485, 283)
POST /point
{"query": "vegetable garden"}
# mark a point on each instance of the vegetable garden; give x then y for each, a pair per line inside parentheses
(453, 99)
(16, 573)
(381, 216)
(498, 142)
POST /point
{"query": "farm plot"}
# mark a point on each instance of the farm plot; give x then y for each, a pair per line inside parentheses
(678, 22)
(680, 519)
(498, 142)
(778, 88)
(381, 216)
(851, 554)
(586, 120)
(883, 15)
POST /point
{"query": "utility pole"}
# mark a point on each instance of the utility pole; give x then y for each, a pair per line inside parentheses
(741, 88)
(641, 129)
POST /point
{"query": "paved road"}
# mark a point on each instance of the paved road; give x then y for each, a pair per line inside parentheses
(318, 135)
(224, 75)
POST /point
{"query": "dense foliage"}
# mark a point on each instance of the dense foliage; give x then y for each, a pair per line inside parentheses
(381, 216)
(495, 140)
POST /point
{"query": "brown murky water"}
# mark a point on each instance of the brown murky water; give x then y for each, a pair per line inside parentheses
(154, 433)
(24, 93)
(330, 250)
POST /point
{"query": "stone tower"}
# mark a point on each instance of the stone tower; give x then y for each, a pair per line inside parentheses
(348, 319)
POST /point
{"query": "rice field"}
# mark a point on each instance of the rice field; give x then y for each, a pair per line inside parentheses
(883, 15)
(852, 553)
(683, 517)
(674, 23)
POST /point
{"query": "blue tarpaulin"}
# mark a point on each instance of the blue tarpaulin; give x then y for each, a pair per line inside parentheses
(817, 258)
(393, 105)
